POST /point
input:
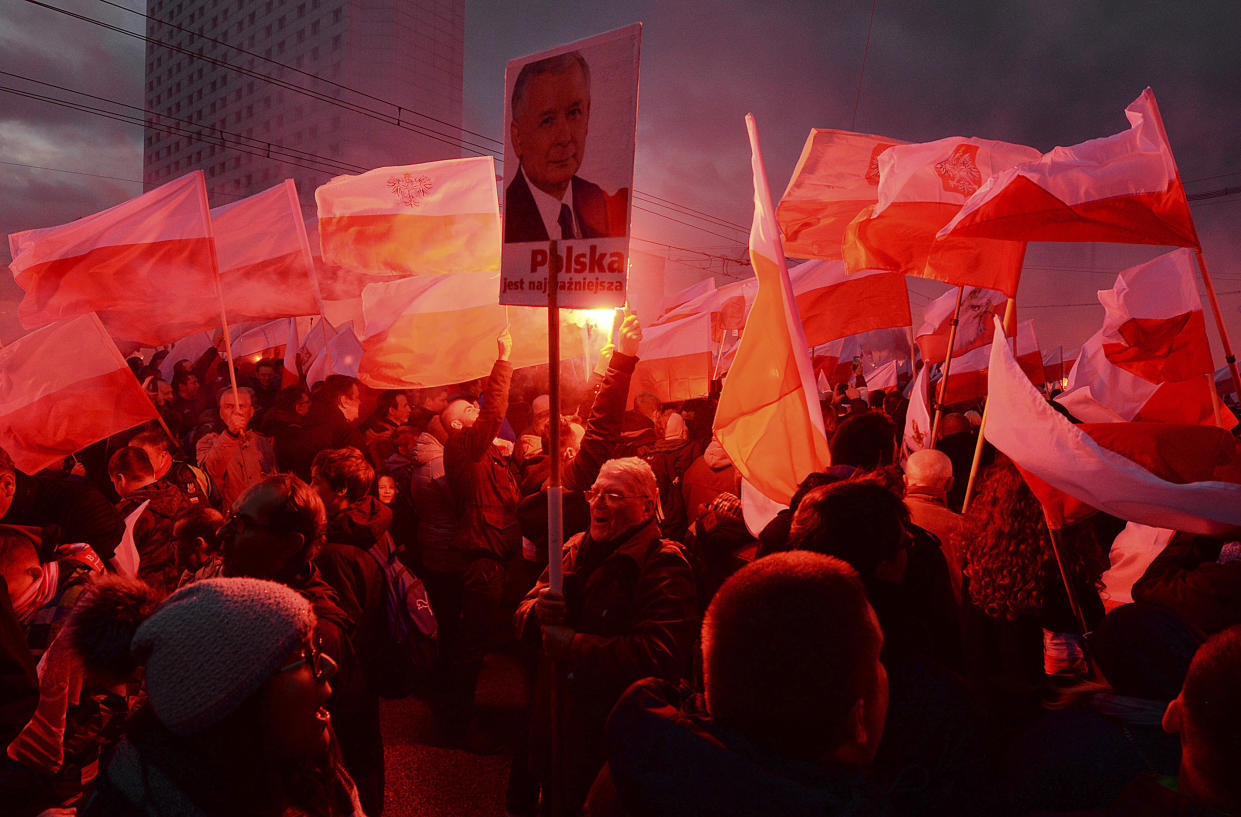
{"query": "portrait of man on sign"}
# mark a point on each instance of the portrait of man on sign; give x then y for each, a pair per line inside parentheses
(550, 118)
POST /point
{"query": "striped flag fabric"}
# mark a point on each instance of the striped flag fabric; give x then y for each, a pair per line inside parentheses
(266, 270)
(768, 418)
(63, 387)
(332, 351)
(1123, 189)
(146, 266)
(967, 376)
(917, 435)
(1047, 446)
(974, 324)
(1151, 360)
(674, 361)
(834, 304)
(836, 177)
(921, 188)
(426, 219)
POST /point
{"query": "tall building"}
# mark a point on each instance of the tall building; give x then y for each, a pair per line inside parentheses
(220, 100)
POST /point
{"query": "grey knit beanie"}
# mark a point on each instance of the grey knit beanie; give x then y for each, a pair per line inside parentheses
(213, 643)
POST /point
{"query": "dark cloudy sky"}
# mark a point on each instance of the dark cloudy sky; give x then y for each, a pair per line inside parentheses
(1040, 74)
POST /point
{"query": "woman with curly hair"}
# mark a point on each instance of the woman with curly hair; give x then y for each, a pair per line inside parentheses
(1011, 569)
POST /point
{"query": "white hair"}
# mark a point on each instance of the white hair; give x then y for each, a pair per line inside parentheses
(636, 473)
(928, 468)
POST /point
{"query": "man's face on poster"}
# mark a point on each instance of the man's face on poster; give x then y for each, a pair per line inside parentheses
(549, 128)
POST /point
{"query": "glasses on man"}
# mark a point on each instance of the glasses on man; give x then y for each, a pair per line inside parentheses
(609, 497)
(312, 654)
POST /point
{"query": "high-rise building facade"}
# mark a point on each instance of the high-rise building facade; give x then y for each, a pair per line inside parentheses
(257, 91)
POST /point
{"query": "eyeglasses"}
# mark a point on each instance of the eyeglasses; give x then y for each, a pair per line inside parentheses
(312, 654)
(612, 497)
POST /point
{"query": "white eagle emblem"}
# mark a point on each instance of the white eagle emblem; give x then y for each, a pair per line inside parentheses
(410, 190)
(959, 173)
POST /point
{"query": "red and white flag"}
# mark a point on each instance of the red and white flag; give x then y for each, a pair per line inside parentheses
(883, 376)
(768, 419)
(1151, 360)
(1045, 444)
(146, 266)
(917, 434)
(266, 270)
(691, 293)
(1123, 189)
(1053, 366)
(427, 219)
(967, 376)
(921, 187)
(332, 351)
(62, 388)
(974, 325)
(280, 336)
(836, 177)
(834, 304)
(674, 360)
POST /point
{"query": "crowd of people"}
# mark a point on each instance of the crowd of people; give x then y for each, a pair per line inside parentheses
(198, 616)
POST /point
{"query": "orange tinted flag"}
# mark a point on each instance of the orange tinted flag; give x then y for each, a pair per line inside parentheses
(146, 266)
(768, 419)
(266, 269)
(62, 388)
(835, 305)
(835, 178)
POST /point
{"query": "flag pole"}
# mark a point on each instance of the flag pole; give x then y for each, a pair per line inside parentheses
(219, 291)
(913, 362)
(943, 381)
(555, 534)
(1074, 604)
(1229, 357)
(1010, 323)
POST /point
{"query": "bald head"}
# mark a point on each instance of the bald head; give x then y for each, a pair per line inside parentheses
(953, 424)
(930, 470)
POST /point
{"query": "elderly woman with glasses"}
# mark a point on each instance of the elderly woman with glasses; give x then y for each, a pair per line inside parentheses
(629, 611)
(234, 720)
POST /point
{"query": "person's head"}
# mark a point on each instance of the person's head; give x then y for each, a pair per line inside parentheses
(130, 470)
(20, 567)
(675, 428)
(403, 439)
(216, 651)
(185, 385)
(550, 116)
(393, 406)
(875, 398)
(624, 496)
(790, 650)
(893, 403)
(866, 440)
(647, 405)
(342, 476)
(159, 449)
(385, 489)
(570, 440)
(159, 390)
(859, 521)
(293, 398)
(273, 530)
(195, 536)
(460, 414)
(342, 392)
(953, 423)
(236, 412)
(540, 414)
(8, 482)
(434, 400)
(265, 373)
(929, 471)
(1207, 717)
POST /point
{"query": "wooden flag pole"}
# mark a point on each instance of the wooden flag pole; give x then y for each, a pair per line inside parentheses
(1010, 324)
(913, 361)
(1074, 604)
(943, 381)
(1229, 357)
(555, 534)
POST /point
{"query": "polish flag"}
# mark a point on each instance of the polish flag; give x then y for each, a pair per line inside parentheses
(1123, 189)
(921, 188)
(1053, 366)
(768, 418)
(883, 376)
(730, 303)
(836, 177)
(65, 386)
(834, 304)
(1046, 445)
(280, 334)
(974, 326)
(917, 434)
(439, 330)
(332, 351)
(674, 361)
(427, 219)
(1151, 360)
(146, 266)
(692, 292)
(266, 270)
(967, 377)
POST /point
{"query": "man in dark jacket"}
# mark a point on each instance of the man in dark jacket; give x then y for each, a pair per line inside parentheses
(629, 611)
(273, 532)
(484, 493)
(330, 423)
(793, 710)
(155, 503)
